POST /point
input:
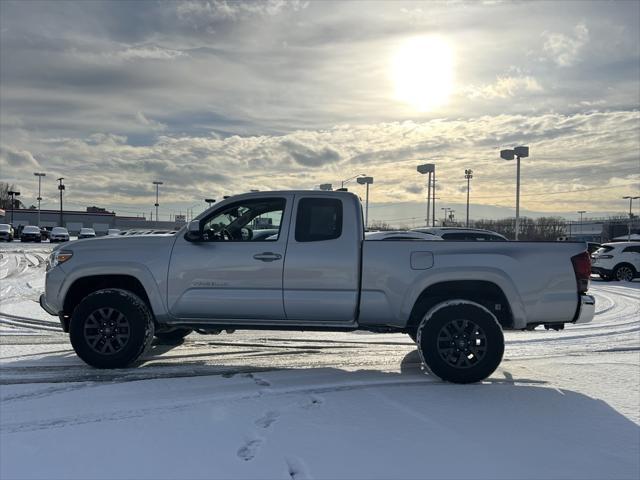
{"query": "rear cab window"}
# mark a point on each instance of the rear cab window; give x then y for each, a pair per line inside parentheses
(318, 219)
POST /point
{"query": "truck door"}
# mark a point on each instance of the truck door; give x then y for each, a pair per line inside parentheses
(235, 270)
(322, 267)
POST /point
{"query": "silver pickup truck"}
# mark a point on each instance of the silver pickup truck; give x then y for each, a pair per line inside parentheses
(298, 260)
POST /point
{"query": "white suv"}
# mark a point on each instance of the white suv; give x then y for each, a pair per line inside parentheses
(619, 261)
(460, 234)
(59, 234)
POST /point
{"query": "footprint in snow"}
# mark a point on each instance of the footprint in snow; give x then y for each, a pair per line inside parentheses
(249, 449)
(259, 381)
(267, 419)
(313, 401)
(296, 469)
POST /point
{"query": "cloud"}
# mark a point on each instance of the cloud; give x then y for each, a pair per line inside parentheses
(308, 156)
(16, 158)
(200, 13)
(581, 150)
(505, 87)
(146, 52)
(564, 50)
(152, 124)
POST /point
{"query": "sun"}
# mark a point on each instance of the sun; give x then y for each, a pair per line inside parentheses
(422, 71)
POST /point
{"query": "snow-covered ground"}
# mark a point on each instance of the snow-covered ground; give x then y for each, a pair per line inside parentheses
(315, 405)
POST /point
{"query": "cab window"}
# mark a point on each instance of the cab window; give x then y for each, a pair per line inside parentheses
(318, 219)
(249, 221)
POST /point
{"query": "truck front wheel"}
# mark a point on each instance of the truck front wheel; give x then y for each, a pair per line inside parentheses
(460, 341)
(111, 328)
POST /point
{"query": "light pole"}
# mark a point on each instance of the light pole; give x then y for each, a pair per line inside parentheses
(157, 184)
(430, 170)
(468, 174)
(366, 181)
(581, 212)
(446, 213)
(61, 187)
(631, 199)
(518, 153)
(347, 180)
(13, 194)
(39, 175)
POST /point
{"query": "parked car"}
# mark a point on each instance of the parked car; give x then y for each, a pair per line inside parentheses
(460, 234)
(317, 273)
(6, 232)
(401, 235)
(114, 231)
(86, 233)
(44, 233)
(617, 261)
(59, 234)
(592, 247)
(30, 233)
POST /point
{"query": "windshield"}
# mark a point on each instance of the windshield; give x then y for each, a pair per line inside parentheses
(59, 230)
(29, 229)
(4, 227)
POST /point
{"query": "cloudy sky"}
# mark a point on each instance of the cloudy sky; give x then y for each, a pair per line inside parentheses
(220, 97)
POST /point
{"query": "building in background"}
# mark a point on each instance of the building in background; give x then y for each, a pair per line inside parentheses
(97, 218)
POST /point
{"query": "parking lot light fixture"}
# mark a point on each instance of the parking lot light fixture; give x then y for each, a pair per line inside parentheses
(468, 174)
(13, 195)
(347, 180)
(631, 199)
(157, 204)
(429, 169)
(61, 188)
(327, 187)
(39, 175)
(366, 181)
(446, 212)
(518, 153)
(210, 201)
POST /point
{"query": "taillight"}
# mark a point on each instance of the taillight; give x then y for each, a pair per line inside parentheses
(582, 269)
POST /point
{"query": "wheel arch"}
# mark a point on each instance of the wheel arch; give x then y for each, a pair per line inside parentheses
(484, 293)
(83, 286)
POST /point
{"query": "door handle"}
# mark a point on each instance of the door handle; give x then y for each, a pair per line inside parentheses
(267, 256)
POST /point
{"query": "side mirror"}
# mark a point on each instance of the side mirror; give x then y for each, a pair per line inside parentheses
(193, 231)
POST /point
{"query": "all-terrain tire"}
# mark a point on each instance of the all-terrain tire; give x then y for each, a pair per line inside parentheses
(174, 336)
(111, 328)
(460, 341)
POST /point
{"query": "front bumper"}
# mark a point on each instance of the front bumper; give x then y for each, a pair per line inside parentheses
(587, 309)
(45, 306)
(601, 271)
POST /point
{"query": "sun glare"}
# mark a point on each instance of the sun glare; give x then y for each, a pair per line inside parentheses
(423, 72)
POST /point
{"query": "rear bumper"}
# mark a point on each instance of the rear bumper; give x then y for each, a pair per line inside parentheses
(587, 309)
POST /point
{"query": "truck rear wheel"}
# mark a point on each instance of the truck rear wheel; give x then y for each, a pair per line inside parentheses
(111, 328)
(460, 341)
